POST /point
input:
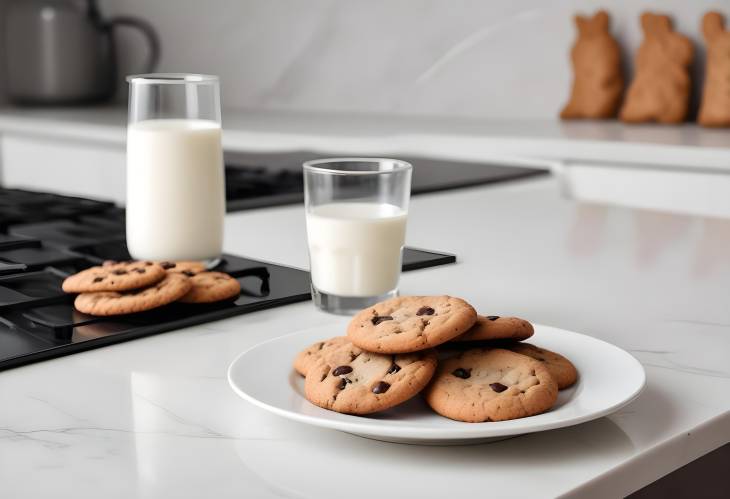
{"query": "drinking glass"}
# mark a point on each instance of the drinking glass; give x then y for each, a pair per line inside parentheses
(175, 179)
(356, 211)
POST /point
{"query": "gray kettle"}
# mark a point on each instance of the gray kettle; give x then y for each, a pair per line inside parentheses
(63, 52)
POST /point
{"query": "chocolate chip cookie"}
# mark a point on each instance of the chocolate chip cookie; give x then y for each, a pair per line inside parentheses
(114, 277)
(560, 368)
(353, 381)
(494, 327)
(173, 287)
(187, 267)
(410, 323)
(491, 385)
(209, 287)
(313, 353)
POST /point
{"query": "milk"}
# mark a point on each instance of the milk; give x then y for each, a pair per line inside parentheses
(355, 248)
(175, 190)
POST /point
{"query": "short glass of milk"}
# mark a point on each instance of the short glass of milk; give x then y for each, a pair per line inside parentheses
(356, 212)
(175, 179)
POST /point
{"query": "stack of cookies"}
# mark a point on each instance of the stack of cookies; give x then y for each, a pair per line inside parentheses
(469, 367)
(117, 288)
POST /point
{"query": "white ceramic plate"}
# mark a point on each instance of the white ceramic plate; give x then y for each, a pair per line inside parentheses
(609, 378)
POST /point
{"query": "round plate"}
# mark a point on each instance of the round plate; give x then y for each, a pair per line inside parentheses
(609, 378)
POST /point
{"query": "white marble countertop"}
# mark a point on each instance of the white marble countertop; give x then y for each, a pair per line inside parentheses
(685, 146)
(156, 418)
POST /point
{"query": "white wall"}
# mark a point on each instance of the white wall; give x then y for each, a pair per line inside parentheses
(484, 58)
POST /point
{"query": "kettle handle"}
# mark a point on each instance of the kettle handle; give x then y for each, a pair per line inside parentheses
(147, 30)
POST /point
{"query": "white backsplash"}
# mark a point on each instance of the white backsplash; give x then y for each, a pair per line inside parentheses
(479, 58)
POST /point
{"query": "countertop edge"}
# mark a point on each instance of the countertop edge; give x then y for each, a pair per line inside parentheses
(658, 461)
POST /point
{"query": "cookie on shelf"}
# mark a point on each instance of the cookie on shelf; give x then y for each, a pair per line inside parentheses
(715, 105)
(597, 76)
(660, 89)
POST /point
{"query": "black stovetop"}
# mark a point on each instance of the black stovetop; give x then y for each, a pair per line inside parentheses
(45, 237)
(255, 180)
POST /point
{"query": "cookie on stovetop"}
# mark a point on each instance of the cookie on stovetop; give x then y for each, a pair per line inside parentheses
(115, 277)
(209, 287)
(410, 323)
(187, 267)
(173, 287)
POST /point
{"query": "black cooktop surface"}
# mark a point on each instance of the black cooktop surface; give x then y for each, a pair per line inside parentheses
(46, 237)
(255, 180)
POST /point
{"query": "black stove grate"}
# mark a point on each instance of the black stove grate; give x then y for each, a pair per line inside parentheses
(46, 237)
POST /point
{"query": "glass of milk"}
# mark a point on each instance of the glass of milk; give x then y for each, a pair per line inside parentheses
(356, 211)
(175, 180)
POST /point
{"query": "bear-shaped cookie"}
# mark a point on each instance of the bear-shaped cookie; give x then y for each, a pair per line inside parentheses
(597, 77)
(661, 87)
(715, 106)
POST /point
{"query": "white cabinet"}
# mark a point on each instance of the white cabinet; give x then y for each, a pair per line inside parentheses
(695, 191)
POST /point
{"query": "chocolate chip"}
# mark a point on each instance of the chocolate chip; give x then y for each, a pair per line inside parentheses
(188, 273)
(462, 373)
(377, 320)
(98, 279)
(148, 263)
(497, 387)
(343, 384)
(394, 368)
(168, 265)
(425, 311)
(119, 272)
(492, 317)
(381, 387)
(339, 371)
(140, 271)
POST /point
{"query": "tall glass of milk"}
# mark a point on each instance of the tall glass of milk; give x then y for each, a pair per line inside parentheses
(356, 211)
(175, 179)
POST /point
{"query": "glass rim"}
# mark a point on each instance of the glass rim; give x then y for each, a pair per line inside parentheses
(314, 166)
(172, 78)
